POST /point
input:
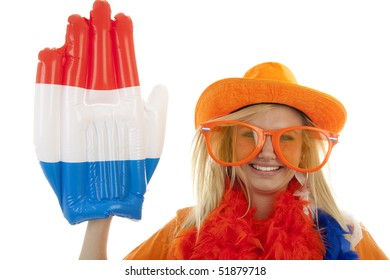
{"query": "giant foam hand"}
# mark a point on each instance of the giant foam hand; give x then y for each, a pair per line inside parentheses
(96, 139)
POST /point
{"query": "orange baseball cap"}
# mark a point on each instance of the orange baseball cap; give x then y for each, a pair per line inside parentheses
(269, 82)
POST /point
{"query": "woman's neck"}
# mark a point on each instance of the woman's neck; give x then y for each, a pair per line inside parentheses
(263, 203)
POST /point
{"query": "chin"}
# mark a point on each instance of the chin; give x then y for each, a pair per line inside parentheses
(268, 190)
(269, 185)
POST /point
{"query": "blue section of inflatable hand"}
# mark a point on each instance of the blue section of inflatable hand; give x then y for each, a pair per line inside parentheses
(151, 164)
(96, 190)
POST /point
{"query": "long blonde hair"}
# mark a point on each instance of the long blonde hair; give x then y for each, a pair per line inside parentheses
(209, 177)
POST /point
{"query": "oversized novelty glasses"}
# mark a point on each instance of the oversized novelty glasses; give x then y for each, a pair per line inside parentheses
(302, 148)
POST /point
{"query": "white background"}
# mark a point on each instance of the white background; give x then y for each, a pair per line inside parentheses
(339, 47)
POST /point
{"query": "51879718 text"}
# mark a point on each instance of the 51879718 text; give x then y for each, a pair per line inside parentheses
(241, 270)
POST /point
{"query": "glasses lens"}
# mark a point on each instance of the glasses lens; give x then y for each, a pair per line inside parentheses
(231, 143)
(304, 148)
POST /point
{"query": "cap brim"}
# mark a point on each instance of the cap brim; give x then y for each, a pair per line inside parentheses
(228, 95)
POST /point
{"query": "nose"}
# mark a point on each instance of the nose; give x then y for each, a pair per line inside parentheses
(267, 152)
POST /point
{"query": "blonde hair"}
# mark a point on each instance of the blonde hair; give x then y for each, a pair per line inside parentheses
(209, 177)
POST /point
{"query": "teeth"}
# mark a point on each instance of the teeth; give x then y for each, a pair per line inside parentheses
(265, 168)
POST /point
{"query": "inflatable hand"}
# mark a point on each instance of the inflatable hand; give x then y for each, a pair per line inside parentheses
(96, 139)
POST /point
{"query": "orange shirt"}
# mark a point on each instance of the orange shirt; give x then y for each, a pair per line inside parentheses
(158, 245)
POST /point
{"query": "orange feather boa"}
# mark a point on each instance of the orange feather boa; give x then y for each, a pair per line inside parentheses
(231, 232)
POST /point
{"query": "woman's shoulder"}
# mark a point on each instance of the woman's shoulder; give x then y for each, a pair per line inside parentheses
(368, 249)
(362, 241)
(156, 247)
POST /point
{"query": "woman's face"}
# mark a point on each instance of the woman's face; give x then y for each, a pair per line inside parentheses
(266, 173)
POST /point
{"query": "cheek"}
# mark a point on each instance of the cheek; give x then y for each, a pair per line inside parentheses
(243, 152)
(243, 149)
(293, 155)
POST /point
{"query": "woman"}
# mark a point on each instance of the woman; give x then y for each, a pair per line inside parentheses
(260, 145)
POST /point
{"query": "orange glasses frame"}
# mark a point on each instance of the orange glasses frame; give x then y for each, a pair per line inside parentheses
(262, 134)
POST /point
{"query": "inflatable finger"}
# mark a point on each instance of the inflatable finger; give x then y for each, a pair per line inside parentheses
(96, 139)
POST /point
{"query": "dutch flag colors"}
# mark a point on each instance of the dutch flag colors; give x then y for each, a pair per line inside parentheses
(97, 140)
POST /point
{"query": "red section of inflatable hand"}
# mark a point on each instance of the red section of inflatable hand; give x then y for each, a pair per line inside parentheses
(98, 53)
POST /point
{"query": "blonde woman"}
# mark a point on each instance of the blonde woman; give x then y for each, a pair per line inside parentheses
(260, 146)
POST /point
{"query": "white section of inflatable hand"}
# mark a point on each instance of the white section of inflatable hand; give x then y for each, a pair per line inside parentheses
(70, 127)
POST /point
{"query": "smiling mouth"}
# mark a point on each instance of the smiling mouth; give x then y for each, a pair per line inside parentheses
(265, 168)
